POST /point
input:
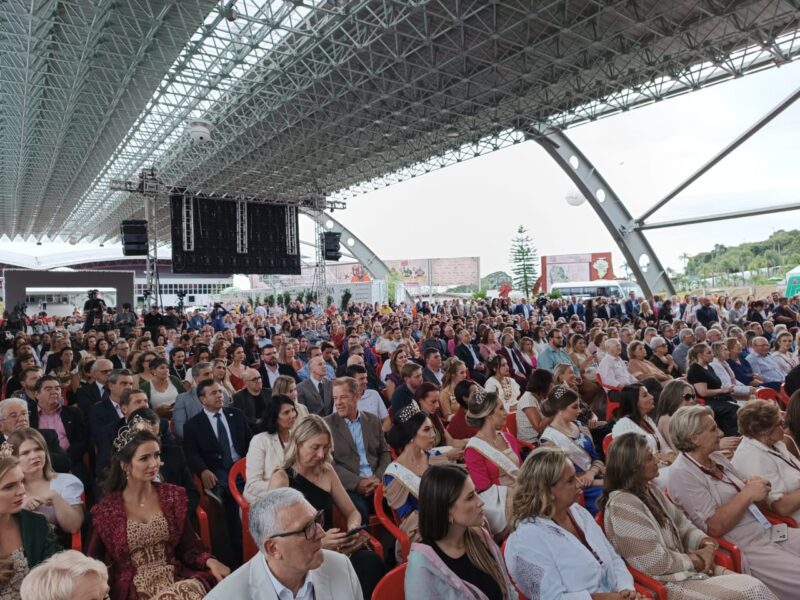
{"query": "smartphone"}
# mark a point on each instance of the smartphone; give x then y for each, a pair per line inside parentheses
(355, 530)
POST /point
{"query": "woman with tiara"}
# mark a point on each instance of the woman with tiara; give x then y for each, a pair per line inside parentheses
(142, 530)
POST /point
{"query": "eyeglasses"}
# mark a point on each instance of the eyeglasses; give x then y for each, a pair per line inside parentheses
(310, 530)
(689, 396)
(16, 416)
(253, 379)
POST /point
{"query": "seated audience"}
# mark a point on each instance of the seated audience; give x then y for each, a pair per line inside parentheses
(724, 503)
(427, 400)
(360, 453)
(65, 421)
(655, 537)
(762, 453)
(456, 558)
(142, 530)
(676, 393)
(530, 420)
(709, 387)
(266, 451)
(726, 375)
(662, 359)
(252, 399)
(556, 550)
(765, 365)
(393, 377)
(55, 495)
(403, 394)
(492, 457)
(640, 367)
(14, 414)
(369, 400)
(458, 427)
(307, 468)
(27, 538)
(187, 404)
(782, 353)
(637, 409)
(315, 392)
(563, 408)
(455, 371)
(66, 575)
(162, 389)
(501, 382)
(291, 562)
(518, 368)
(791, 437)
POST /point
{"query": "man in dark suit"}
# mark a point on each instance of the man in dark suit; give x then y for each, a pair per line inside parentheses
(270, 369)
(213, 441)
(188, 403)
(252, 399)
(576, 308)
(433, 366)
(92, 393)
(28, 379)
(518, 367)
(614, 309)
(602, 310)
(404, 394)
(104, 416)
(15, 414)
(632, 306)
(315, 392)
(66, 421)
(434, 341)
(468, 353)
(120, 357)
(524, 309)
(360, 453)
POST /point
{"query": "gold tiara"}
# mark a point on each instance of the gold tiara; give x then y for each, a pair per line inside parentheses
(6, 450)
(127, 433)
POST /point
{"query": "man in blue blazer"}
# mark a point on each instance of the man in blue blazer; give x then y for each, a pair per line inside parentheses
(576, 308)
(213, 440)
(104, 416)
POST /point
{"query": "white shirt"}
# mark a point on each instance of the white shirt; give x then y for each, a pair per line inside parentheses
(273, 375)
(213, 418)
(306, 591)
(614, 371)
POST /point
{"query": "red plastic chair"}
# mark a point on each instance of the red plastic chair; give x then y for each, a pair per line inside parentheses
(392, 586)
(77, 542)
(205, 530)
(611, 406)
(239, 469)
(775, 519)
(511, 423)
(390, 524)
(765, 393)
(607, 443)
(783, 396)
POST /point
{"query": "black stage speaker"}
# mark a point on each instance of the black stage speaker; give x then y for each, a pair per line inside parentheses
(215, 235)
(134, 237)
(331, 242)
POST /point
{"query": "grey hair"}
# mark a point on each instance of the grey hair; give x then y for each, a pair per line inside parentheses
(265, 513)
(686, 423)
(117, 373)
(611, 342)
(9, 402)
(55, 578)
(199, 367)
(683, 333)
(99, 363)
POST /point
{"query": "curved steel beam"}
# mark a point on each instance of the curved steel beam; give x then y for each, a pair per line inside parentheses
(643, 262)
(360, 251)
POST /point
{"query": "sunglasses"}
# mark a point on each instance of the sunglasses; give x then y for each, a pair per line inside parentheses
(689, 396)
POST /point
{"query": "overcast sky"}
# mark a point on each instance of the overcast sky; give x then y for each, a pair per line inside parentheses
(474, 208)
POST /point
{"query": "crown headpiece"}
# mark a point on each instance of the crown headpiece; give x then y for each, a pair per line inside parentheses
(560, 391)
(127, 433)
(6, 450)
(407, 412)
(480, 394)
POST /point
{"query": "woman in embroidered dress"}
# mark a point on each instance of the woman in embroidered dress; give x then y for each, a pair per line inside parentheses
(722, 502)
(564, 407)
(501, 382)
(492, 457)
(557, 550)
(412, 437)
(636, 406)
(656, 538)
(142, 530)
(25, 537)
(456, 558)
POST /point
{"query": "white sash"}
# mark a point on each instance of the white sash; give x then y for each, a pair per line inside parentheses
(577, 454)
(408, 478)
(493, 455)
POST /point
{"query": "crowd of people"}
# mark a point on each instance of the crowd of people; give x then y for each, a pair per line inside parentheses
(584, 436)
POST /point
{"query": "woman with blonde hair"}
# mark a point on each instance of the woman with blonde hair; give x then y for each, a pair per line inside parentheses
(26, 539)
(222, 377)
(287, 386)
(656, 538)
(782, 352)
(66, 575)
(556, 549)
(308, 468)
(455, 371)
(287, 354)
(57, 496)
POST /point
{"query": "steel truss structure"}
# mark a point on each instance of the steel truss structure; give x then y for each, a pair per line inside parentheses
(328, 96)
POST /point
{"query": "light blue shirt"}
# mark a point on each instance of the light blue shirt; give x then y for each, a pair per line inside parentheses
(549, 358)
(364, 470)
(306, 591)
(765, 366)
(213, 418)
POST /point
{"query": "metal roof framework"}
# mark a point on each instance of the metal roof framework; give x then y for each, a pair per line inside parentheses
(333, 97)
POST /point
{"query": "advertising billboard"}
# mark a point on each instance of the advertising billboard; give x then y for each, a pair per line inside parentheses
(563, 268)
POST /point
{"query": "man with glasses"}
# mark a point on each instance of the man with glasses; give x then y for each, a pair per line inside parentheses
(252, 399)
(104, 416)
(120, 357)
(764, 365)
(90, 394)
(14, 415)
(291, 562)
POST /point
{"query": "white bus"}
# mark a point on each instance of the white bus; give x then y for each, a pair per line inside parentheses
(599, 287)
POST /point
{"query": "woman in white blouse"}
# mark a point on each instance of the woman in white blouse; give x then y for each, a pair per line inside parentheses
(557, 550)
(782, 352)
(636, 406)
(55, 495)
(762, 452)
(501, 382)
(265, 454)
(725, 373)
